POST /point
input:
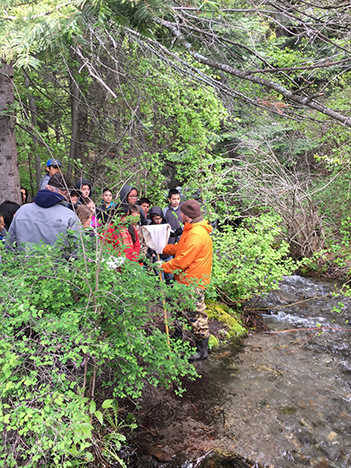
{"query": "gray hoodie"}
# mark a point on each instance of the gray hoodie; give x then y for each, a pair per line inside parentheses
(42, 221)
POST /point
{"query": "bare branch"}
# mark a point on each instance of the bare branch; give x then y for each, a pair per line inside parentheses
(302, 101)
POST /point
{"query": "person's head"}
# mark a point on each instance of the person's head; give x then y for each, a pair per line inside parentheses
(134, 213)
(53, 167)
(2, 222)
(85, 215)
(85, 190)
(8, 209)
(74, 197)
(132, 197)
(190, 210)
(24, 195)
(107, 196)
(59, 185)
(144, 203)
(174, 198)
(90, 204)
(157, 219)
(156, 215)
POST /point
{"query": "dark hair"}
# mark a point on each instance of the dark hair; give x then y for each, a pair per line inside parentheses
(106, 189)
(26, 194)
(143, 200)
(173, 191)
(8, 209)
(58, 181)
(75, 192)
(133, 209)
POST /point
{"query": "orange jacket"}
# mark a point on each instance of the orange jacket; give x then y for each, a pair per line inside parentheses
(192, 255)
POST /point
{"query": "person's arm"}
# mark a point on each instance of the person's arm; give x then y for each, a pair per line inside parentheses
(44, 182)
(170, 249)
(183, 259)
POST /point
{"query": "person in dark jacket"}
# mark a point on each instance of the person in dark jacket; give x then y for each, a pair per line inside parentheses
(45, 220)
(172, 215)
(106, 210)
(84, 187)
(129, 195)
(8, 209)
(75, 198)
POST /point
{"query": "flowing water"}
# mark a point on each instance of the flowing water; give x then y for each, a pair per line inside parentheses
(283, 398)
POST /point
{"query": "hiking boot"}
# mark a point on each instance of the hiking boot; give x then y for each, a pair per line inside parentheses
(202, 350)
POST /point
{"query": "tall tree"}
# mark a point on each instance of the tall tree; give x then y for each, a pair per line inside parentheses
(10, 183)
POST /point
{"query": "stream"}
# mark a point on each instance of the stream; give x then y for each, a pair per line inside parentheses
(277, 399)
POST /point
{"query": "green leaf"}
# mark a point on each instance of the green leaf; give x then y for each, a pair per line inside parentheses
(92, 407)
(99, 416)
(107, 404)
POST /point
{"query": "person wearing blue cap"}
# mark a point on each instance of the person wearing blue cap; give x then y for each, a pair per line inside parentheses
(52, 167)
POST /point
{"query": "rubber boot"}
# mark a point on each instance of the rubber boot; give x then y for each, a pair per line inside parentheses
(202, 350)
(177, 333)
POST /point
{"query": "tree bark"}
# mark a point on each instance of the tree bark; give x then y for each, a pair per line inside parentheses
(9, 180)
(33, 111)
(74, 132)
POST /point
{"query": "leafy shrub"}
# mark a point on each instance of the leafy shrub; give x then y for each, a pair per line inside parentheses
(75, 336)
(249, 260)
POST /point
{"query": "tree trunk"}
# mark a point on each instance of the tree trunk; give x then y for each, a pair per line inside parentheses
(74, 132)
(9, 180)
(33, 112)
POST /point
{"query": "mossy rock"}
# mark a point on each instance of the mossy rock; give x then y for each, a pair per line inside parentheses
(213, 342)
(226, 315)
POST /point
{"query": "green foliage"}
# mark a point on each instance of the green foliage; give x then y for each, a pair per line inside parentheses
(249, 260)
(75, 337)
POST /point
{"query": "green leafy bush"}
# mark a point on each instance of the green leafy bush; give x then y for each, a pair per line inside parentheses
(75, 337)
(249, 260)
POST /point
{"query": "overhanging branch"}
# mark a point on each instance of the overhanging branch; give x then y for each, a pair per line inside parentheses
(286, 93)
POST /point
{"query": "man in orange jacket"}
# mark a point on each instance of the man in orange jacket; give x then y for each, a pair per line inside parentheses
(192, 265)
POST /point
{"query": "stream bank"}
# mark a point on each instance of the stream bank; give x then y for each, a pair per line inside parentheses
(280, 399)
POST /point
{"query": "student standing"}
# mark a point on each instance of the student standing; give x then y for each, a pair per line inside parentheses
(172, 215)
(129, 196)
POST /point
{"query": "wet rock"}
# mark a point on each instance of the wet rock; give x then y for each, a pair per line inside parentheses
(305, 437)
(224, 459)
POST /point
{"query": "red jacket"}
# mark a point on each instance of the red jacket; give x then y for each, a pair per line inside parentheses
(192, 255)
(122, 237)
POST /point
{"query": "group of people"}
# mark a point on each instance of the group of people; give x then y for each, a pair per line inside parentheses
(59, 211)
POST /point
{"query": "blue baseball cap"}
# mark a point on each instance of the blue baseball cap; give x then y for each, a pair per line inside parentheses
(53, 162)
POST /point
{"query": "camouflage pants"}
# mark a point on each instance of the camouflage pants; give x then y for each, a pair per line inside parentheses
(198, 318)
